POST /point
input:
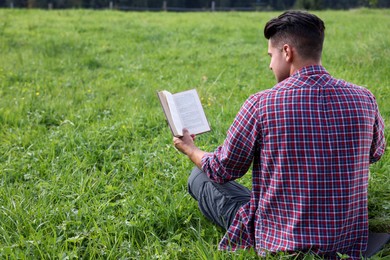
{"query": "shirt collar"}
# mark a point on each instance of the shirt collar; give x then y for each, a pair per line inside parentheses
(310, 70)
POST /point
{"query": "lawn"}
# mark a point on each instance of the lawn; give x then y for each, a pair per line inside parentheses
(87, 166)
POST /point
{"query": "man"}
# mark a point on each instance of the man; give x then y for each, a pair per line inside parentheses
(310, 140)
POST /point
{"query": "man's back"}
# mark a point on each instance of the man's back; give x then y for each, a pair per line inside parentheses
(317, 136)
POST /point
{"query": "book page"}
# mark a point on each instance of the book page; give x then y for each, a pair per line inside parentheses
(191, 111)
(174, 115)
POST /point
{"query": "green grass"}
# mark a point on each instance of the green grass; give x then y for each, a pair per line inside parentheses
(87, 166)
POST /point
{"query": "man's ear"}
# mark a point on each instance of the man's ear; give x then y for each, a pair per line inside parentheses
(288, 52)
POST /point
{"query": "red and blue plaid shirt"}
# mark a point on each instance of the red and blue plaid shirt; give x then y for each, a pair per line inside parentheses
(311, 139)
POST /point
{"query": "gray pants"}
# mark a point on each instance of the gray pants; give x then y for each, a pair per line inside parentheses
(218, 202)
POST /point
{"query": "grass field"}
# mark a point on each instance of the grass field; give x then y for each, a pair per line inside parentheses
(87, 166)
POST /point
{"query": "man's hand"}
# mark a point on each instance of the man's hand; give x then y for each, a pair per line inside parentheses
(186, 145)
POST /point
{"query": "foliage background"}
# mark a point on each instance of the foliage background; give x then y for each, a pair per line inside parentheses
(183, 5)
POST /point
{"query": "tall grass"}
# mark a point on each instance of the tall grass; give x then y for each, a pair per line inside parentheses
(87, 166)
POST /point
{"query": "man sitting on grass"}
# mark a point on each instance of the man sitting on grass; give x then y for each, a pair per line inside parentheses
(310, 140)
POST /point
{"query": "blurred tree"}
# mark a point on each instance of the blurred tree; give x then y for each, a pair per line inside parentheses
(309, 4)
(384, 3)
(17, 3)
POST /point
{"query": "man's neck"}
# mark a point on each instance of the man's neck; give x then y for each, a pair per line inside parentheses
(299, 64)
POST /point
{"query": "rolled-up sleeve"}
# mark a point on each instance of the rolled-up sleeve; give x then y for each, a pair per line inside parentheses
(378, 141)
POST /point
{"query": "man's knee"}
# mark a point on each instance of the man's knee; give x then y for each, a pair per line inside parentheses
(196, 182)
(194, 173)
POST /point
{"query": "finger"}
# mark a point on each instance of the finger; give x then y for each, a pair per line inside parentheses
(185, 131)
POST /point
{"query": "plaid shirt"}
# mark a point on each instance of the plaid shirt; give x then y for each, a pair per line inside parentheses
(311, 139)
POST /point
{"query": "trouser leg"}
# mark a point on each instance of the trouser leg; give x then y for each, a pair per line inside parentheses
(218, 202)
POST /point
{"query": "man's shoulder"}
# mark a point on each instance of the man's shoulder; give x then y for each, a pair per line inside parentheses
(261, 95)
(352, 87)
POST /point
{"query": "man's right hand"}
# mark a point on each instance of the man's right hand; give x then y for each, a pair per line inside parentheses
(186, 145)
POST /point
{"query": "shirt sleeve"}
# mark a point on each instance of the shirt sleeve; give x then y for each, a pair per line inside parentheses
(378, 141)
(233, 159)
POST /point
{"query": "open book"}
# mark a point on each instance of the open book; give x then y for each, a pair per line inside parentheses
(184, 110)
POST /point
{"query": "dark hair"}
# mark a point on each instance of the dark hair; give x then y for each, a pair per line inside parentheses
(302, 30)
